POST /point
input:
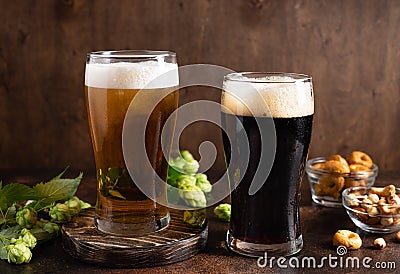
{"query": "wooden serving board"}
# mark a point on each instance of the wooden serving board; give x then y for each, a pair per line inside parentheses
(176, 243)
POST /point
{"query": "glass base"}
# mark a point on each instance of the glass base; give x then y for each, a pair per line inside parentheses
(258, 250)
(131, 229)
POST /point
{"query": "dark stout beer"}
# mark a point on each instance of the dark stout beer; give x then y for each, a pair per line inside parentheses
(272, 211)
(267, 221)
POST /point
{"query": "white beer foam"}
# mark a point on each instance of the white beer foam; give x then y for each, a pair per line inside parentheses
(126, 75)
(279, 100)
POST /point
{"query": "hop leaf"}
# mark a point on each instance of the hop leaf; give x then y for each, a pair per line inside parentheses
(13, 193)
(52, 228)
(18, 253)
(44, 231)
(58, 189)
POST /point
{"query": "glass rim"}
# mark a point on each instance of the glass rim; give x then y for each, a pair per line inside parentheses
(133, 54)
(262, 77)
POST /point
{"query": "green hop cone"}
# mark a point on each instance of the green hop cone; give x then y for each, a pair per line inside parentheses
(18, 252)
(28, 238)
(60, 213)
(223, 211)
(26, 217)
(195, 218)
(185, 163)
(186, 179)
(74, 206)
(203, 183)
(191, 194)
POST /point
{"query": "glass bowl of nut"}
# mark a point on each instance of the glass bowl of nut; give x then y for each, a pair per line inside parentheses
(329, 176)
(373, 209)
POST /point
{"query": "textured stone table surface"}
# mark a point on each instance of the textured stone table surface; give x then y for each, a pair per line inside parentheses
(318, 226)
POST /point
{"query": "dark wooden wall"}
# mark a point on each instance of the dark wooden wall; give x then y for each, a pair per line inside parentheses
(350, 47)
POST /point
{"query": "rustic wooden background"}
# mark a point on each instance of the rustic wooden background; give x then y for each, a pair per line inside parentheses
(350, 47)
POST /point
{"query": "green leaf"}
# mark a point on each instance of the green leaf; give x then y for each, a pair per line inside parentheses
(58, 189)
(3, 250)
(11, 232)
(84, 205)
(116, 194)
(9, 217)
(14, 193)
(40, 234)
(61, 174)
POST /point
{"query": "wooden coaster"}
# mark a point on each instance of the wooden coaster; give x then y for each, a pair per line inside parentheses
(176, 243)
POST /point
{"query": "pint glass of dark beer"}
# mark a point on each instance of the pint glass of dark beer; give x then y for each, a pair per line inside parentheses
(267, 220)
(112, 80)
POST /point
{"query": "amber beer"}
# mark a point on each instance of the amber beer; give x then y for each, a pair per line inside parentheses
(267, 221)
(111, 83)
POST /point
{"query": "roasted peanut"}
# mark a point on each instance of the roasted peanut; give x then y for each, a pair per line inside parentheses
(374, 198)
(396, 221)
(386, 221)
(393, 200)
(366, 203)
(348, 239)
(372, 211)
(383, 191)
(352, 200)
(379, 243)
(384, 209)
(360, 158)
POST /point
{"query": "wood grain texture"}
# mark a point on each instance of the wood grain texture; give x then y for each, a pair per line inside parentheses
(176, 243)
(350, 47)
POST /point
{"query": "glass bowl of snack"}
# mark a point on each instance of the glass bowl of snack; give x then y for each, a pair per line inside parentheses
(373, 209)
(329, 176)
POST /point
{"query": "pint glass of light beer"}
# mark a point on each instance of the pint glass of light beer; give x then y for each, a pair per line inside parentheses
(267, 220)
(112, 80)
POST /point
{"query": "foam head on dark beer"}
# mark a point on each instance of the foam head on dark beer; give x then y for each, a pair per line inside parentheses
(269, 96)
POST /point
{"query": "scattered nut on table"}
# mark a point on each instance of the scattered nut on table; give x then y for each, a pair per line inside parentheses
(347, 238)
(379, 243)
